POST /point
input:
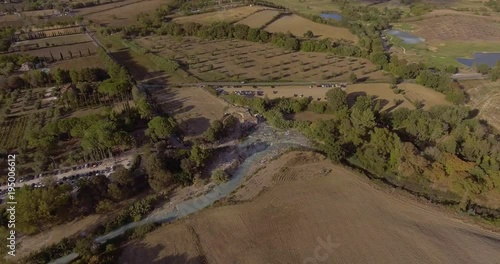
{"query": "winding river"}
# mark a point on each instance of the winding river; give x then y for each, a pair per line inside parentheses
(263, 142)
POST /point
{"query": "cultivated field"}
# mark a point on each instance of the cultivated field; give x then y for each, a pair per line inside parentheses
(458, 28)
(193, 108)
(52, 41)
(104, 7)
(314, 7)
(234, 60)
(485, 96)
(62, 31)
(45, 12)
(12, 21)
(228, 15)
(260, 18)
(78, 63)
(12, 132)
(49, 32)
(124, 15)
(298, 26)
(141, 66)
(56, 52)
(9, 18)
(301, 208)
(445, 12)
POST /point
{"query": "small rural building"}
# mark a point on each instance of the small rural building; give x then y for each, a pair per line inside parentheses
(66, 87)
(342, 86)
(27, 66)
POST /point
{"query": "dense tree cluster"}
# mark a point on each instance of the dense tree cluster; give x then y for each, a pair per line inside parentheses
(120, 81)
(161, 128)
(10, 63)
(41, 206)
(442, 83)
(432, 78)
(99, 136)
(220, 128)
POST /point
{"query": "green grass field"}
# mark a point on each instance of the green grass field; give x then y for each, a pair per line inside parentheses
(441, 54)
(404, 26)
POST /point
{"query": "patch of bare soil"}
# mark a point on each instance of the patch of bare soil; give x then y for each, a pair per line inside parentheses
(309, 217)
(193, 108)
(55, 234)
(290, 167)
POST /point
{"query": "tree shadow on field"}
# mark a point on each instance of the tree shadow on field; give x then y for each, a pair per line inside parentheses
(352, 97)
(195, 126)
(388, 110)
(183, 109)
(382, 102)
(140, 252)
(473, 113)
(156, 77)
(363, 79)
(182, 258)
(138, 71)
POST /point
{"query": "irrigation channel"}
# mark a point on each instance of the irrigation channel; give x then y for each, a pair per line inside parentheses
(264, 143)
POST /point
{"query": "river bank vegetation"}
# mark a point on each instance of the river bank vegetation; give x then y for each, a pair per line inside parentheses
(444, 154)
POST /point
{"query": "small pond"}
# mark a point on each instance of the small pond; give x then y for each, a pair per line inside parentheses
(335, 16)
(489, 58)
(405, 36)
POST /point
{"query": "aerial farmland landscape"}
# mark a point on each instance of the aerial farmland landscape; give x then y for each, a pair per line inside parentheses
(248, 131)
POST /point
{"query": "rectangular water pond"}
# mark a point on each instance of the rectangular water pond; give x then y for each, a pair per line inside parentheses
(490, 58)
(335, 16)
(405, 36)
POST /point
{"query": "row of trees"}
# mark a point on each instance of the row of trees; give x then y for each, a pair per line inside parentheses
(36, 79)
(120, 81)
(153, 24)
(494, 73)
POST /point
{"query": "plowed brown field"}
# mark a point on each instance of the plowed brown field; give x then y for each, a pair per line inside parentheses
(310, 211)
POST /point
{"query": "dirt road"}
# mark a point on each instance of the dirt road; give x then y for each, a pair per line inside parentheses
(122, 160)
